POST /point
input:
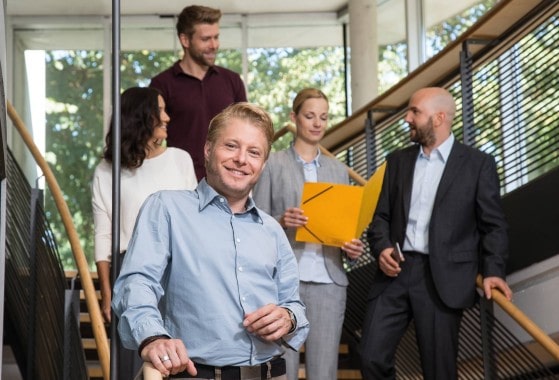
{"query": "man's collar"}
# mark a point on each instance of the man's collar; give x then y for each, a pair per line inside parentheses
(443, 150)
(207, 195)
(177, 69)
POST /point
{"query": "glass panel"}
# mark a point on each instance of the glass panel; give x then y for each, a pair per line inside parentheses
(393, 49)
(458, 17)
(74, 135)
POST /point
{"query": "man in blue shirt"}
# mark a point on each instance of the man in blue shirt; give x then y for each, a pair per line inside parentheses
(209, 272)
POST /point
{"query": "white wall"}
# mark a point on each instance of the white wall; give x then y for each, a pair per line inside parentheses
(536, 293)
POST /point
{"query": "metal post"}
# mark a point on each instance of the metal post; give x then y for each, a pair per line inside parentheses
(346, 74)
(467, 94)
(32, 311)
(488, 350)
(370, 144)
(116, 137)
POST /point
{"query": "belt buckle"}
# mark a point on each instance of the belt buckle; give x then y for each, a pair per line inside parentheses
(251, 372)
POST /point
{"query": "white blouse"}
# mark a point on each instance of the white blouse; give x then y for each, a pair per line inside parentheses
(171, 170)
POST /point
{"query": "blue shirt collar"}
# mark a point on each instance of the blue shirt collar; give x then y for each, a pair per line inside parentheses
(442, 151)
(315, 161)
(207, 195)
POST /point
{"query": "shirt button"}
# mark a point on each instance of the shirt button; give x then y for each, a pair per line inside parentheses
(238, 240)
(221, 200)
(244, 299)
(240, 269)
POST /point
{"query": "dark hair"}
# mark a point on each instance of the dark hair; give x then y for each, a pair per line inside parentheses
(139, 114)
(251, 113)
(196, 14)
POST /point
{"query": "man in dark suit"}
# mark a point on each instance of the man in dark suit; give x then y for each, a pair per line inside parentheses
(440, 202)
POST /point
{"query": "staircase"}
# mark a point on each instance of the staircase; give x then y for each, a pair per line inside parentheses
(347, 364)
(88, 341)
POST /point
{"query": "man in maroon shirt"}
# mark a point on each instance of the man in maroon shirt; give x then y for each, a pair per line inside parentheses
(194, 88)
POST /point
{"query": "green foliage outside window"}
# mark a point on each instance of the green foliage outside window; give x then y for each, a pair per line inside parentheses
(74, 122)
(75, 113)
(74, 136)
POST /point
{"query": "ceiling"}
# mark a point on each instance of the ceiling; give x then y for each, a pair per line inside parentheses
(149, 24)
(151, 7)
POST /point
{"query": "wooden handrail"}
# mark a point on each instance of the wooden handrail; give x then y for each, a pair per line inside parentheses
(523, 320)
(81, 262)
(150, 372)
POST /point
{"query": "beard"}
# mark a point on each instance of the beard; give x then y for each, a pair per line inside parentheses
(198, 57)
(423, 135)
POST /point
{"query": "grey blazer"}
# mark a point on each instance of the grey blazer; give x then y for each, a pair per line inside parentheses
(281, 185)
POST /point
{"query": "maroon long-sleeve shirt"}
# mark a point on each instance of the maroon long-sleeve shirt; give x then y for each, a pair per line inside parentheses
(191, 104)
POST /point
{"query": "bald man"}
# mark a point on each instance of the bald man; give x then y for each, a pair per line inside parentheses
(440, 203)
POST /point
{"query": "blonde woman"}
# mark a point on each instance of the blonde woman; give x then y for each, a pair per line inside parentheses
(323, 281)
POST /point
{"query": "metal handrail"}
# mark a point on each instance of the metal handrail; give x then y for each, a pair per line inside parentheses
(81, 262)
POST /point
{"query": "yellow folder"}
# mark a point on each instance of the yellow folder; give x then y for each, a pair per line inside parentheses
(338, 213)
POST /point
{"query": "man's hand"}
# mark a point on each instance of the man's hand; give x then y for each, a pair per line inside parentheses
(169, 356)
(387, 264)
(270, 322)
(496, 283)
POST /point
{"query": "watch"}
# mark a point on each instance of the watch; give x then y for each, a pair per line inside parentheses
(293, 320)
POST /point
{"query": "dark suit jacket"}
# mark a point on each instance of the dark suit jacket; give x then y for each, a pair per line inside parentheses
(467, 231)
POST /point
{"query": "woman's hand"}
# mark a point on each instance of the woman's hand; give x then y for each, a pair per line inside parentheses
(293, 217)
(354, 249)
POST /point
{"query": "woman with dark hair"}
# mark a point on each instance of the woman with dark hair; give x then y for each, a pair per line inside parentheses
(147, 166)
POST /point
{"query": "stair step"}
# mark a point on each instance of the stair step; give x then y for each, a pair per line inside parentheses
(82, 295)
(343, 350)
(74, 273)
(90, 344)
(84, 318)
(94, 371)
(343, 374)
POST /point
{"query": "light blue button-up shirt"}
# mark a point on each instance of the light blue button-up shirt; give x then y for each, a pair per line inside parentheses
(426, 177)
(208, 267)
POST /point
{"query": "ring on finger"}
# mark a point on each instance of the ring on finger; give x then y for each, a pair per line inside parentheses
(165, 358)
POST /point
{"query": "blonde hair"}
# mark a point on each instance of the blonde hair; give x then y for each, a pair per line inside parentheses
(304, 95)
(251, 113)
